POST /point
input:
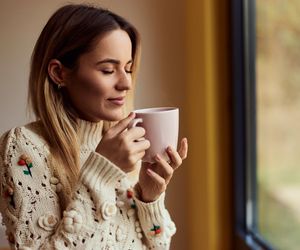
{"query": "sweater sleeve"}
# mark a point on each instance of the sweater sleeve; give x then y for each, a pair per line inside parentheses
(156, 223)
(29, 202)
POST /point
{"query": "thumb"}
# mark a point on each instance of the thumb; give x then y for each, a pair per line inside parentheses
(122, 124)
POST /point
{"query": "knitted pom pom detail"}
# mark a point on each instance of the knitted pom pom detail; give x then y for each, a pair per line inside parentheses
(47, 222)
(55, 184)
(72, 221)
(108, 210)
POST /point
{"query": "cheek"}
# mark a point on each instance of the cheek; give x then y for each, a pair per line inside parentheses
(90, 87)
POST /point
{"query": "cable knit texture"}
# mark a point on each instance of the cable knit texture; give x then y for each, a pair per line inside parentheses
(103, 212)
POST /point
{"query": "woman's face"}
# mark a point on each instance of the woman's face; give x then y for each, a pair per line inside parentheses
(98, 87)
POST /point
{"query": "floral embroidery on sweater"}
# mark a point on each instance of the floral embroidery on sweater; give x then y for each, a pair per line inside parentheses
(25, 160)
(155, 230)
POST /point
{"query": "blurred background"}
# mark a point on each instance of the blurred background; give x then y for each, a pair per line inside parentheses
(185, 63)
(278, 122)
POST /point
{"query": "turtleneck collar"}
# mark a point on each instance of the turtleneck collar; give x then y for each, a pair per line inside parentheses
(90, 133)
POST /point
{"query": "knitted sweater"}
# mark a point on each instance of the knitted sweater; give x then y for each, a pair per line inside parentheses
(102, 213)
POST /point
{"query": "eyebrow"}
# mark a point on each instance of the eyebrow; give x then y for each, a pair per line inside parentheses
(113, 61)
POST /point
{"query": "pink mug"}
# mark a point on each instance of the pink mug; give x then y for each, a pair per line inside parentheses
(162, 127)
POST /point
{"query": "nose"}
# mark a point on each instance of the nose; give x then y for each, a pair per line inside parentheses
(124, 82)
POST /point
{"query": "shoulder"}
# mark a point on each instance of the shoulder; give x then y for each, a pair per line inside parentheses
(29, 135)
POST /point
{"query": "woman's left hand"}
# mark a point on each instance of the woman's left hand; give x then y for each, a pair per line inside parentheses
(154, 178)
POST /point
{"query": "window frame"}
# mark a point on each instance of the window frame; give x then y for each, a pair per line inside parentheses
(243, 24)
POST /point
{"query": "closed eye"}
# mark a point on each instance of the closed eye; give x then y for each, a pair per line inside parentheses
(107, 72)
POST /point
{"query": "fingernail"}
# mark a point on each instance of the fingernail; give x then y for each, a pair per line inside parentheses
(149, 171)
(157, 157)
(131, 115)
(169, 149)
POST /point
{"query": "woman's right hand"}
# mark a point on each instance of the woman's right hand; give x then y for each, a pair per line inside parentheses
(122, 146)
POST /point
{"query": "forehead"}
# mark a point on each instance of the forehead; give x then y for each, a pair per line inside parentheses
(115, 44)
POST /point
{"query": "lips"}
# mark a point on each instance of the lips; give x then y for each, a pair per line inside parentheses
(118, 100)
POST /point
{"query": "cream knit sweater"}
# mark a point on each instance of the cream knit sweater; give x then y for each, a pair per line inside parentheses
(102, 213)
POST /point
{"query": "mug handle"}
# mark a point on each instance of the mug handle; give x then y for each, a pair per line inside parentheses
(135, 122)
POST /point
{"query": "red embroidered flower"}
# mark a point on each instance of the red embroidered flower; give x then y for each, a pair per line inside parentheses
(129, 193)
(155, 230)
(25, 160)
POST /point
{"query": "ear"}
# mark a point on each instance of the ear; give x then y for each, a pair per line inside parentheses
(57, 72)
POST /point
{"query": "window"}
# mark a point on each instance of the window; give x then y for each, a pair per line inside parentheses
(266, 61)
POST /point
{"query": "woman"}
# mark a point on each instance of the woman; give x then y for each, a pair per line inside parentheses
(64, 178)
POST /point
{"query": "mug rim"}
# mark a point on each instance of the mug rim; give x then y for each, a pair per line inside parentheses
(155, 110)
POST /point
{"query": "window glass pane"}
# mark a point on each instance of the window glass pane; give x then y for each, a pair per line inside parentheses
(278, 121)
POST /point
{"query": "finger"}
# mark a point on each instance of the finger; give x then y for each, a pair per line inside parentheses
(183, 148)
(121, 125)
(135, 133)
(165, 170)
(137, 157)
(156, 178)
(176, 159)
(140, 155)
(141, 146)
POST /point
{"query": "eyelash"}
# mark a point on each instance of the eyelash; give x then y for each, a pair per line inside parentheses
(107, 72)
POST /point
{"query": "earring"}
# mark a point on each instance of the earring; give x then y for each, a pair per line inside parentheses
(59, 85)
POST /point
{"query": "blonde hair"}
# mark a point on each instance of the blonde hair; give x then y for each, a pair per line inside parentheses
(70, 32)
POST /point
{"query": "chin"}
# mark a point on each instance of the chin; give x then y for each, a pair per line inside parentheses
(112, 117)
